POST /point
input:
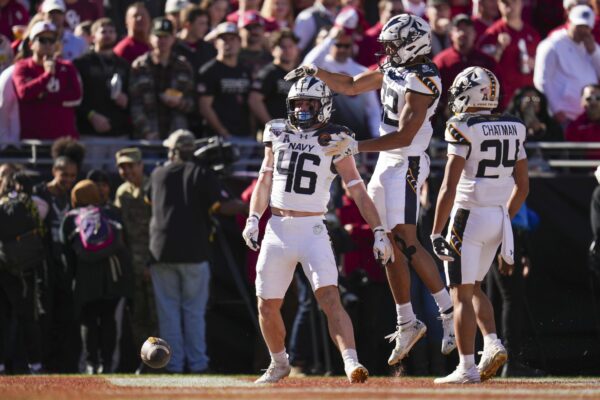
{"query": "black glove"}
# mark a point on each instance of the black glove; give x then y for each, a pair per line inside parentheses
(442, 249)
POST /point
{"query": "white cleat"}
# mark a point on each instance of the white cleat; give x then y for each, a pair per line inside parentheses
(356, 373)
(493, 358)
(274, 373)
(449, 339)
(460, 375)
(405, 336)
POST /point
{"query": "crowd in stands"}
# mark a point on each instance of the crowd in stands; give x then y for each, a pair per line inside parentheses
(102, 71)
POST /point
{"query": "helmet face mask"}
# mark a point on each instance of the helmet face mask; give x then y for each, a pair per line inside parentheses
(404, 37)
(321, 104)
(474, 87)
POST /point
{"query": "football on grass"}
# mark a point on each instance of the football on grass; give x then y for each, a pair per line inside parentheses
(155, 352)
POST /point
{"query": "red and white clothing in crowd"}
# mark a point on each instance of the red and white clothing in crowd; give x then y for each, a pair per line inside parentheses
(47, 101)
(80, 11)
(584, 130)
(512, 70)
(130, 48)
(369, 46)
(13, 13)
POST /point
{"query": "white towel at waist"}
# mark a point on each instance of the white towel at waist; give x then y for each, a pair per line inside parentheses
(507, 250)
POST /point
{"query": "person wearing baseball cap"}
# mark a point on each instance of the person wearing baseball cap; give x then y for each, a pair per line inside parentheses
(253, 53)
(72, 46)
(566, 62)
(173, 9)
(160, 105)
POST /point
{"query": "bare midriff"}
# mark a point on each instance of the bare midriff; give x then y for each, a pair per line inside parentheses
(291, 213)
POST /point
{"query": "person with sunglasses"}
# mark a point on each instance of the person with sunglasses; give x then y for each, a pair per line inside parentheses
(586, 128)
(48, 88)
(360, 113)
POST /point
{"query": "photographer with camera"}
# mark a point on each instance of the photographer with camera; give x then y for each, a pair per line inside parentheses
(183, 194)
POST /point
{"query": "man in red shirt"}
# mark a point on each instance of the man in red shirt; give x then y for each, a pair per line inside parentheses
(12, 13)
(512, 43)
(136, 42)
(586, 128)
(369, 46)
(48, 89)
(485, 13)
(460, 55)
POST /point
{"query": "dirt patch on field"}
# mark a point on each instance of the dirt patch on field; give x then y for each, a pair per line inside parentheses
(228, 387)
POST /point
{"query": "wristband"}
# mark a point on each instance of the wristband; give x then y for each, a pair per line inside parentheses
(255, 215)
(378, 228)
(354, 182)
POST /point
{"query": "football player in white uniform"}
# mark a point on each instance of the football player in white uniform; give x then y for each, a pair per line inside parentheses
(295, 178)
(485, 183)
(410, 89)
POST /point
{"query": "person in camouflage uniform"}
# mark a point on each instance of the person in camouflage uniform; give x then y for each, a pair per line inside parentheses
(161, 87)
(135, 213)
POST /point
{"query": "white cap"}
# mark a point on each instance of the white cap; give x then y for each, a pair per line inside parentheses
(222, 29)
(51, 5)
(567, 4)
(40, 27)
(173, 6)
(582, 15)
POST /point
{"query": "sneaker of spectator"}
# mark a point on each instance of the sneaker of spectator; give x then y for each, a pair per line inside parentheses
(485, 13)
(78, 11)
(54, 11)
(136, 43)
(252, 33)
(278, 13)
(512, 43)
(438, 15)
(311, 20)
(156, 111)
(567, 62)
(217, 11)
(173, 10)
(12, 13)
(370, 47)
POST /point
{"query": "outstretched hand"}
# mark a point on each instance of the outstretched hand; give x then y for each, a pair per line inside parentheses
(301, 71)
(342, 145)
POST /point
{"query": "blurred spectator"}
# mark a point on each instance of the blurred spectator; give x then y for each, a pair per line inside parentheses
(370, 48)
(61, 344)
(549, 15)
(12, 13)
(6, 53)
(586, 128)
(183, 194)
(21, 262)
(102, 273)
(568, 5)
(567, 62)
(102, 181)
(217, 10)
(48, 89)
(71, 45)
(10, 124)
(243, 7)
(512, 43)
(103, 117)
(268, 96)
(360, 113)
(78, 11)
(223, 86)
(192, 46)
(136, 43)
(460, 55)
(531, 106)
(416, 7)
(253, 55)
(278, 13)
(485, 13)
(84, 31)
(438, 15)
(135, 213)
(173, 10)
(310, 21)
(161, 86)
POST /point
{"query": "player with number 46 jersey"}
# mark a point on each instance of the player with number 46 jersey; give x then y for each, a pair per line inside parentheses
(485, 183)
(295, 178)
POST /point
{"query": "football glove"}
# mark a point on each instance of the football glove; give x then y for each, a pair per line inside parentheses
(442, 249)
(342, 145)
(301, 71)
(382, 247)
(250, 232)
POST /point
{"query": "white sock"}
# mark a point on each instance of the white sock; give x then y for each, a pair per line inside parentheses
(404, 314)
(280, 358)
(489, 339)
(35, 366)
(442, 299)
(2, 368)
(466, 360)
(350, 356)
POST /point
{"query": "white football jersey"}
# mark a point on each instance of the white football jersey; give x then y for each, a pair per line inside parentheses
(302, 173)
(420, 78)
(491, 144)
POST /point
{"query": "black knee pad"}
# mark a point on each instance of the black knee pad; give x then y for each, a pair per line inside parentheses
(408, 251)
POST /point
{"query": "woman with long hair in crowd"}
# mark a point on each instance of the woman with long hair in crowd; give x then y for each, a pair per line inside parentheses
(531, 105)
(217, 11)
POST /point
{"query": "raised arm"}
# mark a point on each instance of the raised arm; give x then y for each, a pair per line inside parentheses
(340, 83)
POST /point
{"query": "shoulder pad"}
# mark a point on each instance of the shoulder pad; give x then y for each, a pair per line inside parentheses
(477, 119)
(424, 70)
(274, 128)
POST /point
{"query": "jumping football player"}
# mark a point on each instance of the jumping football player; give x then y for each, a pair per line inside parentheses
(295, 178)
(485, 184)
(410, 89)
